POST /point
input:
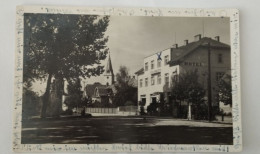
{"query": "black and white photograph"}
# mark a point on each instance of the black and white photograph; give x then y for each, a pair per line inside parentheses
(117, 79)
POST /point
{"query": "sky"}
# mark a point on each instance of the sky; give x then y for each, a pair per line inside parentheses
(131, 39)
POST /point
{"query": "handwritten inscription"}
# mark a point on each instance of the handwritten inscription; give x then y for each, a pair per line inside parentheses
(237, 131)
(236, 111)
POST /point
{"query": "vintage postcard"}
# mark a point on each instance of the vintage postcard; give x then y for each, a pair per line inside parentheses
(127, 80)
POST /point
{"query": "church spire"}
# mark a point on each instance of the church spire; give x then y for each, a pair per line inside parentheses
(109, 74)
(109, 68)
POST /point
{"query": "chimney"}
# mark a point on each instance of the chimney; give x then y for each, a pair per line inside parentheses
(175, 46)
(217, 38)
(197, 37)
(186, 42)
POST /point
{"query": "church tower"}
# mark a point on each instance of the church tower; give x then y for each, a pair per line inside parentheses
(109, 74)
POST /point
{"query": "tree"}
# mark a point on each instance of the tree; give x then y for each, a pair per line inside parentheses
(31, 103)
(187, 88)
(125, 88)
(75, 94)
(224, 91)
(196, 94)
(63, 47)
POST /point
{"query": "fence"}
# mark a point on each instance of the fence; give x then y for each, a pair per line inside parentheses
(102, 110)
(122, 110)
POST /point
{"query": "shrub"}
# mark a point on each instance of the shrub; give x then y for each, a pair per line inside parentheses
(152, 108)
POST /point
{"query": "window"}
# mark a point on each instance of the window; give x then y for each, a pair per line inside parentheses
(152, 80)
(166, 60)
(146, 82)
(219, 75)
(141, 82)
(167, 79)
(220, 60)
(159, 79)
(158, 62)
(146, 66)
(152, 64)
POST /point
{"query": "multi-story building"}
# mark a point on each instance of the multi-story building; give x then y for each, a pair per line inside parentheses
(161, 68)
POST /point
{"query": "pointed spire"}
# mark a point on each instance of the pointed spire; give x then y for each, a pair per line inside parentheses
(109, 68)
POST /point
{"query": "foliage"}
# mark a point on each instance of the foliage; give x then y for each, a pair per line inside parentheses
(125, 89)
(67, 112)
(101, 105)
(152, 108)
(165, 109)
(224, 91)
(187, 88)
(129, 103)
(64, 47)
(75, 94)
(200, 111)
(142, 110)
(141, 103)
(31, 103)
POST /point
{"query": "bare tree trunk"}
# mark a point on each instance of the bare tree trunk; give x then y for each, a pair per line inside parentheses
(46, 96)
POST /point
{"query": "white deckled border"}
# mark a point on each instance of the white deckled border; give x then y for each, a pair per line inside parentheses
(235, 67)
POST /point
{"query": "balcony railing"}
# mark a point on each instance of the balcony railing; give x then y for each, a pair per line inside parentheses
(156, 71)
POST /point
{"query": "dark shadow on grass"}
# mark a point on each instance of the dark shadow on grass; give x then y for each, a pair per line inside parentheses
(79, 130)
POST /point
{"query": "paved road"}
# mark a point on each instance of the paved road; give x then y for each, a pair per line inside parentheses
(72, 130)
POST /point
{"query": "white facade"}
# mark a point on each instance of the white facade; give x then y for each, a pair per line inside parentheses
(157, 74)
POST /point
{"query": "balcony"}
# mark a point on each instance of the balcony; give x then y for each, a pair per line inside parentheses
(156, 71)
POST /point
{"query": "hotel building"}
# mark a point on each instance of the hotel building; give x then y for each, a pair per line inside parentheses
(160, 69)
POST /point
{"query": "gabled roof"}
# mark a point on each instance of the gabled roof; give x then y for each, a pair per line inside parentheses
(178, 54)
(113, 88)
(101, 91)
(89, 89)
(140, 71)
